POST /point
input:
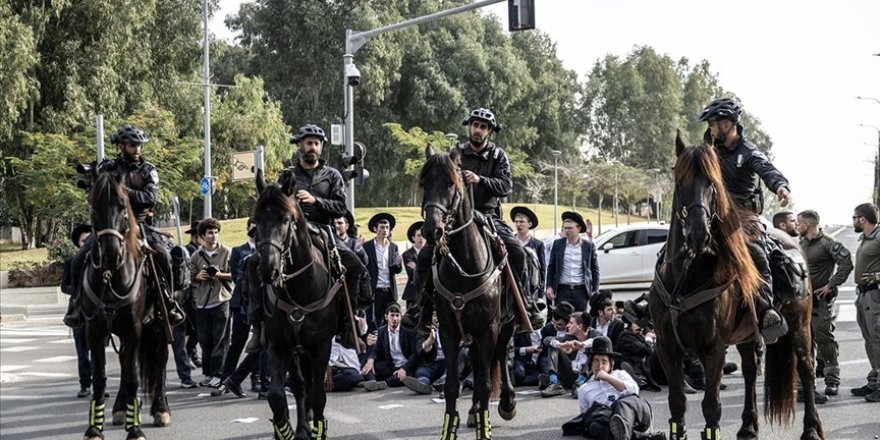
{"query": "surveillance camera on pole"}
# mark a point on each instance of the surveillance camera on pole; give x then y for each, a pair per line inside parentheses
(352, 75)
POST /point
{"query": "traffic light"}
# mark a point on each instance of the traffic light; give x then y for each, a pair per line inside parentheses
(359, 173)
(520, 15)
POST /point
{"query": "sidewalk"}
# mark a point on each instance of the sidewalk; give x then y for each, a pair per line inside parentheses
(25, 303)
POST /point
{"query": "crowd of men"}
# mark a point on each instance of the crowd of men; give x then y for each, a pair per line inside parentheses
(573, 354)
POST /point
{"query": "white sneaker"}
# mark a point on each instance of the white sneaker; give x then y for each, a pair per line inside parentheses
(214, 383)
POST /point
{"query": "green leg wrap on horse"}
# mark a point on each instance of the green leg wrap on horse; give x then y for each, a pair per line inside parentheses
(484, 427)
(96, 415)
(677, 431)
(450, 427)
(711, 434)
(283, 431)
(319, 430)
(133, 413)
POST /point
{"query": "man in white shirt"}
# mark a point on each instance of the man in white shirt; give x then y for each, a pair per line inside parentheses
(384, 263)
(394, 356)
(631, 416)
(573, 270)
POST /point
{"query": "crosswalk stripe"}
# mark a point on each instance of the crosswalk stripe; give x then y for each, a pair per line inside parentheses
(16, 340)
(56, 359)
(18, 349)
(10, 368)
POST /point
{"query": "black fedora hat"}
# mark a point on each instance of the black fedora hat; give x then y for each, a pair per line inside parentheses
(193, 228)
(575, 217)
(597, 299)
(352, 227)
(563, 310)
(77, 231)
(411, 232)
(378, 218)
(522, 210)
(602, 345)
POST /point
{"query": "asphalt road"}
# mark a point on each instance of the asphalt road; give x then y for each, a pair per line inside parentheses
(38, 385)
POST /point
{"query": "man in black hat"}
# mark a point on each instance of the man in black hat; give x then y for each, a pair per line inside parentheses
(346, 232)
(524, 220)
(78, 236)
(604, 311)
(188, 332)
(385, 262)
(410, 261)
(573, 271)
(631, 415)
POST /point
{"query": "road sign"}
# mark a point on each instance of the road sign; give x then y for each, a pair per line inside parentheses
(243, 166)
(205, 186)
(336, 134)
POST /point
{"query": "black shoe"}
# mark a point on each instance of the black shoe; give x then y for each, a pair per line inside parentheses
(729, 367)
(773, 326)
(862, 391)
(543, 381)
(229, 386)
(83, 391)
(619, 429)
(659, 435)
(819, 397)
(255, 383)
(874, 396)
(73, 318)
(832, 390)
(176, 316)
(416, 385)
(255, 344)
(372, 385)
(553, 390)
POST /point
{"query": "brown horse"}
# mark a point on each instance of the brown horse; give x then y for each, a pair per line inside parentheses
(702, 300)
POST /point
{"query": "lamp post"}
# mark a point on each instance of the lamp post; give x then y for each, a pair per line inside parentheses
(876, 163)
(616, 163)
(656, 173)
(556, 154)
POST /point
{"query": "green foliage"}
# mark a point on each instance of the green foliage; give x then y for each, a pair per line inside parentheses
(17, 59)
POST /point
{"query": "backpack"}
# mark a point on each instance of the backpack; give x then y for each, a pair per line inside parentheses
(789, 270)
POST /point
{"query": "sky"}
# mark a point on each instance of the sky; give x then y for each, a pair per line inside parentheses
(796, 65)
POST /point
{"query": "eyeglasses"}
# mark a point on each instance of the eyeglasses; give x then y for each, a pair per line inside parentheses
(856, 217)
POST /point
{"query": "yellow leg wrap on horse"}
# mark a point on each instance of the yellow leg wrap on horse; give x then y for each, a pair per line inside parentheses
(319, 431)
(133, 413)
(484, 427)
(283, 432)
(712, 434)
(96, 415)
(677, 431)
(450, 426)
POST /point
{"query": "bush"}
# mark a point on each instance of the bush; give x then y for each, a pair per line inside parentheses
(35, 274)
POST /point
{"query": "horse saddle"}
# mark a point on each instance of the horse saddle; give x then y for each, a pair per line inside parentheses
(789, 270)
(322, 239)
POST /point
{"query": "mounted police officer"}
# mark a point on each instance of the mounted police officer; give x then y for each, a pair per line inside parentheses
(320, 191)
(141, 179)
(486, 168)
(742, 165)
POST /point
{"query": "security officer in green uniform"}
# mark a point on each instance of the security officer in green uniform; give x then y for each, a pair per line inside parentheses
(823, 254)
(867, 276)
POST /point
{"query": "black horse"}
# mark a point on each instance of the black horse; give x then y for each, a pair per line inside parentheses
(467, 268)
(301, 305)
(115, 291)
(702, 299)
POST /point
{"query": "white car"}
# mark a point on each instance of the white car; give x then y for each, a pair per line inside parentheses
(627, 255)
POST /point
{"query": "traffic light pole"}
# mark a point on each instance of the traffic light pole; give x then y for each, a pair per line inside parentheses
(354, 40)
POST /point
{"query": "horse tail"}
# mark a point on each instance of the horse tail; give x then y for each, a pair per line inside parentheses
(780, 374)
(153, 359)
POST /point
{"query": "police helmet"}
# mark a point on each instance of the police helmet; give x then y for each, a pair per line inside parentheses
(129, 134)
(308, 130)
(725, 108)
(485, 115)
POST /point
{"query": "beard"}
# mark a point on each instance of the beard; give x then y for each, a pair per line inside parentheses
(792, 233)
(858, 229)
(310, 157)
(477, 141)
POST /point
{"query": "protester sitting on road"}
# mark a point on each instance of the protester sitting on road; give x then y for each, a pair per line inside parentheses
(555, 329)
(431, 361)
(630, 415)
(637, 344)
(526, 358)
(344, 364)
(394, 356)
(602, 310)
(567, 356)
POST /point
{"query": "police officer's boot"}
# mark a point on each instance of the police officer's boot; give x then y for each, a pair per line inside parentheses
(73, 317)
(771, 322)
(256, 343)
(162, 259)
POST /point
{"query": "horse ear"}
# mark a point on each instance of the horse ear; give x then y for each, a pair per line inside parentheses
(429, 151)
(455, 155)
(679, 144)
(261, 181)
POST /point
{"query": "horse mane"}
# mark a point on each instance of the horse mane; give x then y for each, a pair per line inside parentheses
(446, 164)
(734, 262)
(273, 195)
(108, 187)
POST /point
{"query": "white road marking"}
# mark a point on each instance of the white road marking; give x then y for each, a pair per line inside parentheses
(853, 362)
(47, 375)
(246, 420)
(16, 340)
(9, 368)
(18, 349)
(33, 332)
(56, 359)
(341, 417)
(391, 406)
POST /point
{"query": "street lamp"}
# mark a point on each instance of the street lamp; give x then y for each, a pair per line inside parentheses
(556, 154)
(877, 164)
(615, 163)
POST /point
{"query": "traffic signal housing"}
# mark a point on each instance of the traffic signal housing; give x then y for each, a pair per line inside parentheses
(520, 15)
(356, 159)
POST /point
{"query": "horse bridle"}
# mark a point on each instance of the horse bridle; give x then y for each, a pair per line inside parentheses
(114, 233)
(711, 213)
(286, 255)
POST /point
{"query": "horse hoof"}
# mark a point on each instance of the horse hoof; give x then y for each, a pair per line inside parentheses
(118, 417)
(136, 434)
(507, 415)
(162, 419)
(472, 421)
(812, 435)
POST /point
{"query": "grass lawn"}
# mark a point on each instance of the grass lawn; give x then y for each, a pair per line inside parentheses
(233, 232)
